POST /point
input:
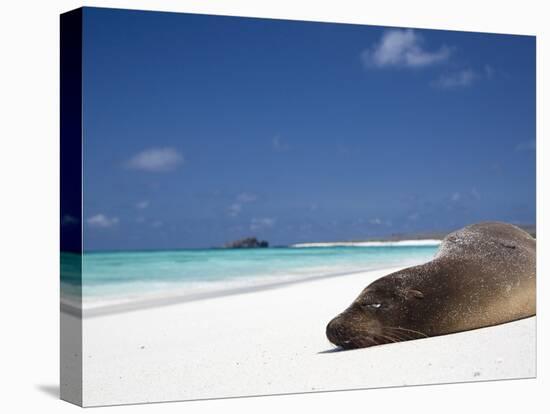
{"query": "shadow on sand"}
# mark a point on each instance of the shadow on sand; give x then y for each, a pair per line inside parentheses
(332, 350)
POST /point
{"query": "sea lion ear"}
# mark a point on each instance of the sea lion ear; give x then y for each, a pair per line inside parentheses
(413, 293)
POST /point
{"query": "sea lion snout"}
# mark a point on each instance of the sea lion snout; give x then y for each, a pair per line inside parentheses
(334, 328)
(350, 330)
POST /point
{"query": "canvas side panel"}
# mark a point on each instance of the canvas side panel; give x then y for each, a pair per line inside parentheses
(71, 207)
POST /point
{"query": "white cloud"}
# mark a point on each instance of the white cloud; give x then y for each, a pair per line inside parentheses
(455, 80)
(376, 221)
(234, 209)
(279, 145)
(475, 194)
(529, 145)
(261, 223)
(243, 198)
(102, 221)
(156, 160)
(402, 48)
(246, 198)
(143, 204)
(455, 196)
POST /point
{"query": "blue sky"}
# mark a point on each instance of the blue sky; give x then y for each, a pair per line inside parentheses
(202, 129)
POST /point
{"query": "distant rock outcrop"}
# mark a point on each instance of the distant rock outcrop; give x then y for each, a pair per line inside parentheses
(247, 243)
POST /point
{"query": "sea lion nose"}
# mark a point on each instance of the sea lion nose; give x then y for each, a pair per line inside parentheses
(334, 329)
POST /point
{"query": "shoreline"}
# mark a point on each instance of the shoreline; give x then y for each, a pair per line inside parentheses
(373, 243)
(428, 241)
(69, 307)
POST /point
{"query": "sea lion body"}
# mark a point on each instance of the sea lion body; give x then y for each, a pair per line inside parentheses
(482, 275)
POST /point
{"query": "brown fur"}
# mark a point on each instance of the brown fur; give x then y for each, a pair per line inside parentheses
(482, 275)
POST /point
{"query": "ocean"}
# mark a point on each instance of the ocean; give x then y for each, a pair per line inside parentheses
(118, 277)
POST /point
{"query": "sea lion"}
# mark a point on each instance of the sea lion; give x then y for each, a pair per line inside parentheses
(482, 275)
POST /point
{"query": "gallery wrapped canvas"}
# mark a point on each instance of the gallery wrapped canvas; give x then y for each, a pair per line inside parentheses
(258, 206)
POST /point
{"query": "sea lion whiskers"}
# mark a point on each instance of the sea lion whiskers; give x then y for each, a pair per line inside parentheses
(384, 337)
(402, 334)
(399, 335)
(374, 339)
(392, 336)
(407, 330)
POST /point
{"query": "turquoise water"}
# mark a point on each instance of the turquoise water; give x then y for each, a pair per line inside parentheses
(114, 276)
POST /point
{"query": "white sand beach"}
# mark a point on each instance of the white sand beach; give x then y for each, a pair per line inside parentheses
(273, 342)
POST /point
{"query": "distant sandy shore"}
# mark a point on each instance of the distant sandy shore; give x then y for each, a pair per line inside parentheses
(273, 342)
(373, 243)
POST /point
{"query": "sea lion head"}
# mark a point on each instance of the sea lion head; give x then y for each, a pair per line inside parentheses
(386, 311)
